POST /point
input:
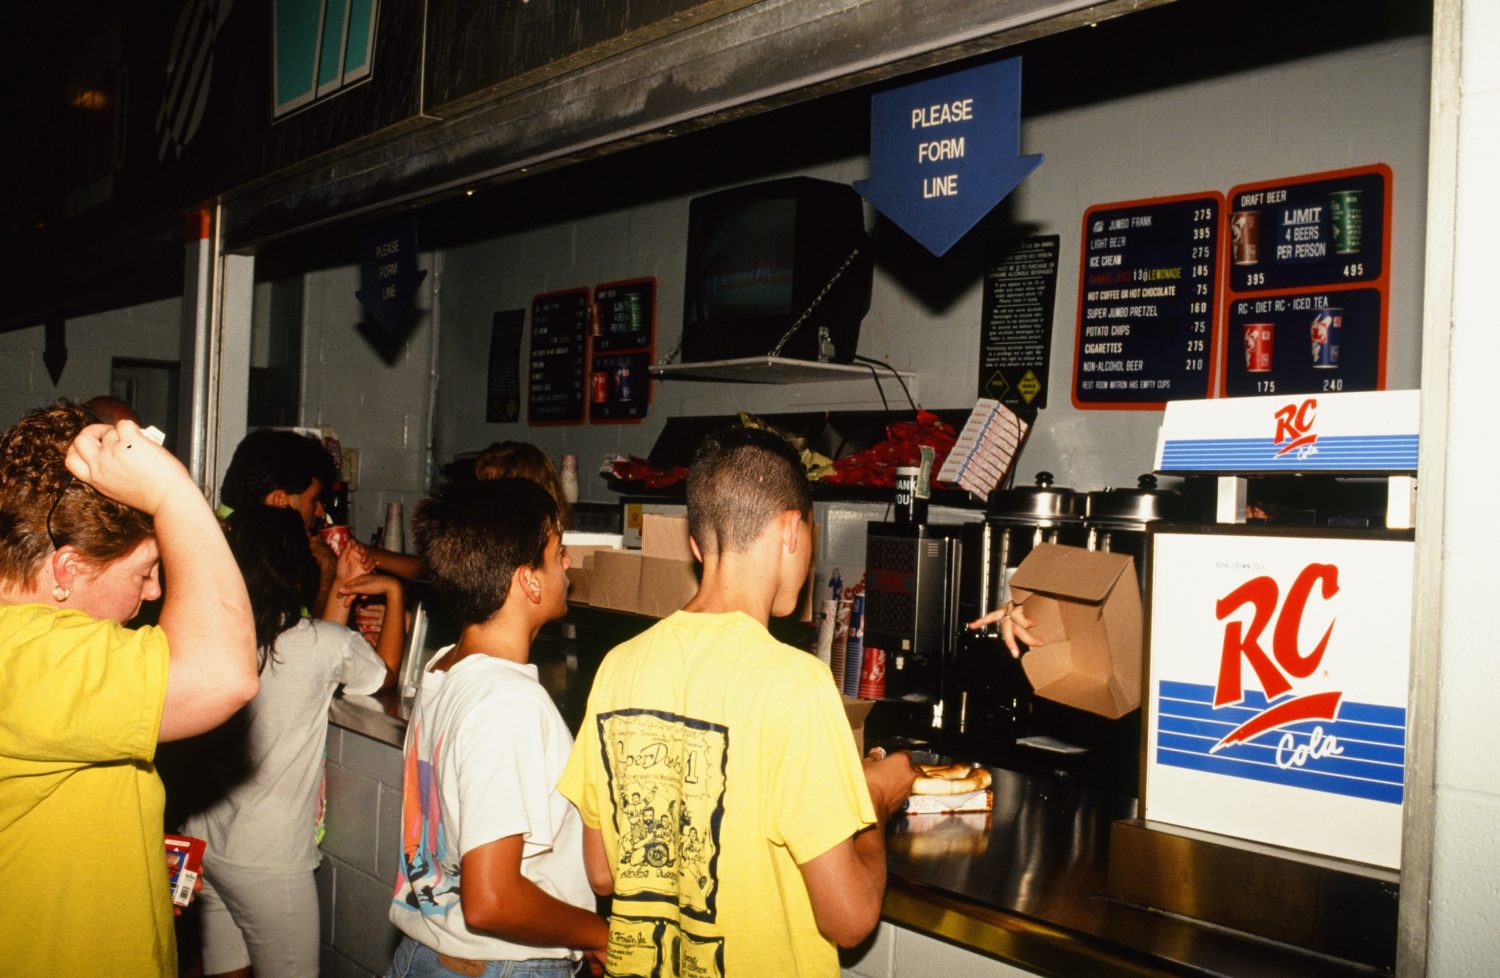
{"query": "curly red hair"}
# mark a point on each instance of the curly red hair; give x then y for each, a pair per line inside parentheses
(33, 478)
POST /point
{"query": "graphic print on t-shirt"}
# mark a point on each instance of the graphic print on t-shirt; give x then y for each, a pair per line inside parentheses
(666, 780)
(649, 947)
(422, 837)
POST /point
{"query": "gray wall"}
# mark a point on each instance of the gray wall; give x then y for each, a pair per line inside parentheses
(1349, 108)
(1466, 861)
(147, 332)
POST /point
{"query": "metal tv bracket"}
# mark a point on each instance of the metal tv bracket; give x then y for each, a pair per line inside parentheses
(825, 344)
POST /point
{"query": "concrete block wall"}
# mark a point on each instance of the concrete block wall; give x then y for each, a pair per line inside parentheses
(360, 853)
(898, 952)
(148, 332)
(380, 407)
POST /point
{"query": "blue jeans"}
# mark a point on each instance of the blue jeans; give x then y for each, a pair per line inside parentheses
(416, 960)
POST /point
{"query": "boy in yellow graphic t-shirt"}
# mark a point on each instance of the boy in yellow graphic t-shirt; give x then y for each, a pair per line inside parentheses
(724, 804)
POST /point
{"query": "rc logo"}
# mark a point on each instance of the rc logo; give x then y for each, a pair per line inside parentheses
(1287, 664)
(1294, 424)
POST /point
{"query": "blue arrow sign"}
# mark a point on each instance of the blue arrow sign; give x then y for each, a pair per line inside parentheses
(944, 152)
(389, 275)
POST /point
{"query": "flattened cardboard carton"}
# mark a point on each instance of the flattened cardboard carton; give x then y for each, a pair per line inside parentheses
(1087, 608)
(615, 579)
(856, 710)
(666, 536)
(669, 574)
(581, 571)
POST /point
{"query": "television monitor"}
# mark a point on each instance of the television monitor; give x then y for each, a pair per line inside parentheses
(757, 258)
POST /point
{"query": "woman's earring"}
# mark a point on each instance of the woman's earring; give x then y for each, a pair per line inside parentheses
(61, 593)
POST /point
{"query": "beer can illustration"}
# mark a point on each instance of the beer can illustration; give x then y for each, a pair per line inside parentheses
(1244, 237)
(624, 388)
(1347, 214)
(600, 381)
(1325, 330)
(1259, 340)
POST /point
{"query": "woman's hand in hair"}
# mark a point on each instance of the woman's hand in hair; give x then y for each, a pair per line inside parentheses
(121, 462)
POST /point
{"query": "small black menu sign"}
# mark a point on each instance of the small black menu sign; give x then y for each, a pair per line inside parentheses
(502, 401)
(1148, 290)
(559, 340)
(1015, 339)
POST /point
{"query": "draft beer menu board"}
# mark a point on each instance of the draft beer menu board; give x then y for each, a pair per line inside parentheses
(559, 340)
(624, 329)
(1309, 277)
(1147, 296)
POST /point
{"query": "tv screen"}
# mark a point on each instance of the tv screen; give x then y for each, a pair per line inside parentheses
(746, 269)
(758, 258)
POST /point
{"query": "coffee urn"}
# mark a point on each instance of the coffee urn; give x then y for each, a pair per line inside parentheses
(988, 701)
(1115, 520)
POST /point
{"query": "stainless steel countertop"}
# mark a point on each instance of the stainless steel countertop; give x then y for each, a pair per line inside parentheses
(1024, 883)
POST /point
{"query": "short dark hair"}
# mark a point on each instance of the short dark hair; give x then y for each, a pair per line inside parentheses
(270, 547)
(740, 480)
(472, 537)
(267, 460)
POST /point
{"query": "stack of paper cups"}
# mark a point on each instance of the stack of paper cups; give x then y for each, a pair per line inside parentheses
(854, 658)
(393, 540)
(826, 620)
(839, 648)
(872, 675)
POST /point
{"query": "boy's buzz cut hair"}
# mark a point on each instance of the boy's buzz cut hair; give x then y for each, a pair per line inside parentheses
(740, 480)
(472, 537)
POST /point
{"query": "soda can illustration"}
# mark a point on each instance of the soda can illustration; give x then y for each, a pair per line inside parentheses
(1325, 332)
(1347, 213)
(600, 381)
(1244, 237)
(1259, 340)
(624, 388)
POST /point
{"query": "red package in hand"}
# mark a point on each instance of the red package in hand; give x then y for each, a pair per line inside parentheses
(184, 866)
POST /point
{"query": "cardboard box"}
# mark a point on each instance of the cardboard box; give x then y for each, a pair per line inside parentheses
(656, 580)
(1087, 608)
(615, 579)
(669, 573)
(856, 710)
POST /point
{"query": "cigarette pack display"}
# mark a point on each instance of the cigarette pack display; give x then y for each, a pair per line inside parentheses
(184, 866)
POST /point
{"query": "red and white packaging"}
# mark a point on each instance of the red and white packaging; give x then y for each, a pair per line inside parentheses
(184, 866)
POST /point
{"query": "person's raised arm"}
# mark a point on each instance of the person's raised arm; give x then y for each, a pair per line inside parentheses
(206, 614)
(392, 642)
(846, 884)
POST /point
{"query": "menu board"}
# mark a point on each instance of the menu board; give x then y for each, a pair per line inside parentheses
(502, 401)
(1020, 287)
(624, 330)
(559, 337)
(1309, 279)
(626, 315)
(1147, 296)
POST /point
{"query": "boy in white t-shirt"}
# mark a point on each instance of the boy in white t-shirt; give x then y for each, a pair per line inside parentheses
(491, 870)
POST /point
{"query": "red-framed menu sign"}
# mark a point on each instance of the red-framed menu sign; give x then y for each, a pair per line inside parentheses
(1309, 284)
(624, 341)
(1148, 293)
